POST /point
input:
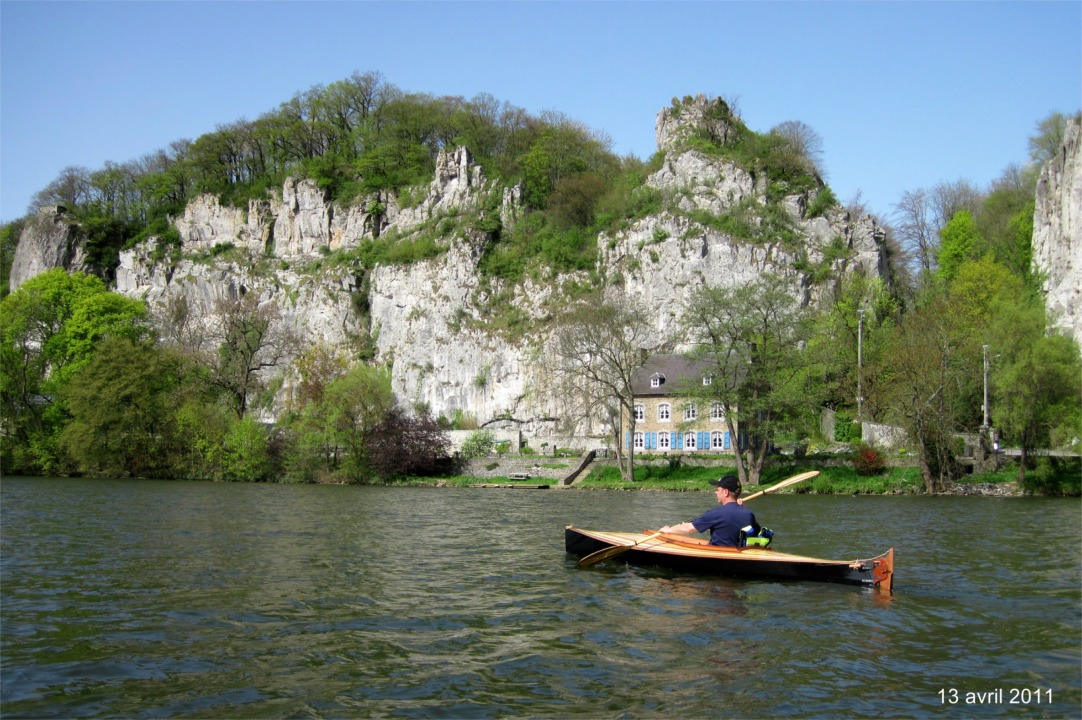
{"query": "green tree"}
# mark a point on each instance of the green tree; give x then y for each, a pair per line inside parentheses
(754, 338)
(9, 240)
(245, 451)
(351, 411)
(1036, 381)
(123, 410)
(959, 241)
(49, 329)
(1044, 145)
(931, 366)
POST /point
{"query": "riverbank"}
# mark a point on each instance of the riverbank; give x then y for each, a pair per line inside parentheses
(831, 481)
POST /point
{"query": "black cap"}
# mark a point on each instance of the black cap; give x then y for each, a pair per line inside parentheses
(729, 482)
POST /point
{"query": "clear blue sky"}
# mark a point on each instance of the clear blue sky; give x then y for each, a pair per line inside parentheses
(904, 94)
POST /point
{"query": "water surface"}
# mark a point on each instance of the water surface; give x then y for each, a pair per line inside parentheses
(178, 599)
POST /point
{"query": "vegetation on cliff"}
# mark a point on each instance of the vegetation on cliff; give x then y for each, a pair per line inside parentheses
(963, 284)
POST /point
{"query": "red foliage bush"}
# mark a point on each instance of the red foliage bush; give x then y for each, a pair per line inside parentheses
(868, 461)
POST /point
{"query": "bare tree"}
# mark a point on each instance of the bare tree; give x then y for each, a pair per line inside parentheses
(595, 349)
(252, 338)
(914, 228)
(804, 141)
(950, 198)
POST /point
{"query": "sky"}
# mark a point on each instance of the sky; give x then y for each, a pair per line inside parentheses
(904, 94)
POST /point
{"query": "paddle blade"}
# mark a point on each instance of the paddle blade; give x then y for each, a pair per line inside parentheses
(603, 554)
(611, 552)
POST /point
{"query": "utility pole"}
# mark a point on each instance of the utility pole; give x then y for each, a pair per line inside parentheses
(860, 366)
(985, 407)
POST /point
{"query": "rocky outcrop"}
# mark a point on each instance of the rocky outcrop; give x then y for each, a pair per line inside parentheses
(1057, 232)
(430, 319)
(47, 241)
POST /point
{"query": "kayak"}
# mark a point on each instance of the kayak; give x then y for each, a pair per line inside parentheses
(691, 554)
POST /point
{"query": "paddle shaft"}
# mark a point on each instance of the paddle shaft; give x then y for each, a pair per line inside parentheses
(611, 552)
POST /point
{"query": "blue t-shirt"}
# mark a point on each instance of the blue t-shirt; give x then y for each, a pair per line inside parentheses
(725, 522)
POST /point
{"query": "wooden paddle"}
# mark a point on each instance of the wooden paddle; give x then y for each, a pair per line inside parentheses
(611, 552)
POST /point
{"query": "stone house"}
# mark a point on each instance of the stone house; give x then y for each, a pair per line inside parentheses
(666, 420)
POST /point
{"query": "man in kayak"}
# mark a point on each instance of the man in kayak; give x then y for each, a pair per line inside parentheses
(726, 520)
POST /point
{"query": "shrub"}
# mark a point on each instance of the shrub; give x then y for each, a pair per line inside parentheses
(868, 461)
(478, 444)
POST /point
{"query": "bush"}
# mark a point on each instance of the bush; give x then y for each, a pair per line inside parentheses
(845, 430)
(478, 444)
(868, 461)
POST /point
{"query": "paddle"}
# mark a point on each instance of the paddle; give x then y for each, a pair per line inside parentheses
(611, 552)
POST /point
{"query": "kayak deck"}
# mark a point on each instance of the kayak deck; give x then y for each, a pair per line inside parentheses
(681, 552)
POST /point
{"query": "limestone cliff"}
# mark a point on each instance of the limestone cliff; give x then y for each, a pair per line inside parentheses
(429, 319)
(48, 241)
(1057, 232)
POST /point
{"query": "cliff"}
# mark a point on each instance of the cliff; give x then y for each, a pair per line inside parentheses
(432, 319)
(1057, 232)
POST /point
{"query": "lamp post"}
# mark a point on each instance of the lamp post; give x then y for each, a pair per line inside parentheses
(860, 366)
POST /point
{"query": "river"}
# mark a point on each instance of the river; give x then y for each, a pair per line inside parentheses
(151, 599)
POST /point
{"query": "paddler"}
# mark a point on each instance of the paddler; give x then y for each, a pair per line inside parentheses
(728, 521)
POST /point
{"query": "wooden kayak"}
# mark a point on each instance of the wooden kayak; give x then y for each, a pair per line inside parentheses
(691, 554)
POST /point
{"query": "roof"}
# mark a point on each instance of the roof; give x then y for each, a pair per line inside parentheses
(676, 373)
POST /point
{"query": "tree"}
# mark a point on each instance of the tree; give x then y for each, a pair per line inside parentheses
(132, 433)
(959, 241)
(596, 348)
(1036, 381)
(915, 229)
(754, 338)
(402, 445)
(929, 363)
(252, 339)
(805, 142)
(353, 408)
(479, 443)
(1049, 138)
(49, 328)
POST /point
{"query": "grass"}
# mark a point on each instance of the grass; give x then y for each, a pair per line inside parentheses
(1065, 478)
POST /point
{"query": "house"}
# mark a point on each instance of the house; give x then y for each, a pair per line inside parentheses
(666, 420)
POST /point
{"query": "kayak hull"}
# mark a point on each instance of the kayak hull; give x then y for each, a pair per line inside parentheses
(696, 556)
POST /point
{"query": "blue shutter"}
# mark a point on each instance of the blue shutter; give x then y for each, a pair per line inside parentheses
(679, 441)
(726, 440)
(672, 441)
(704, 440)
(627, 441)
(651, 440)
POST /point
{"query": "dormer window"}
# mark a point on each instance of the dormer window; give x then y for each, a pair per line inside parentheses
(657, 380)
(708, 379)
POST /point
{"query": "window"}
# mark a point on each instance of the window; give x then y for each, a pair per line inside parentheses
(664, 412)
(708, 379)
(657, 380)
(690, 412)
(640, 442)
(717, 441)
(716, 412)
(663, 441)
(640, 413)
(689, 441)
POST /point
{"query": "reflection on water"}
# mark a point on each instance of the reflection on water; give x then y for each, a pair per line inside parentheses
(208, 600)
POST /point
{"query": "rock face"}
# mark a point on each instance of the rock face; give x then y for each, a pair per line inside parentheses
(428, 319)
(48, 241)
(1057, 232)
